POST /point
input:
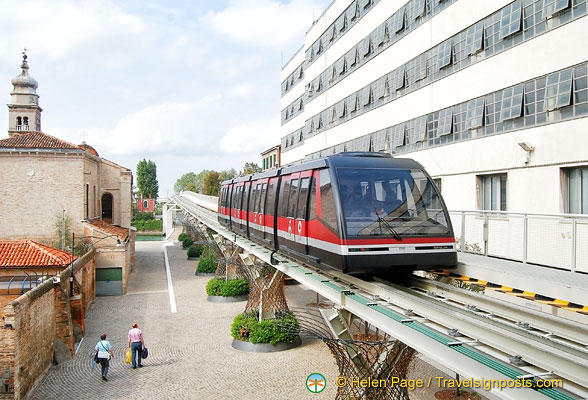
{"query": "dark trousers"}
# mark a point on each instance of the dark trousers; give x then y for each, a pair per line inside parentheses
(104, 363)
(136, 349)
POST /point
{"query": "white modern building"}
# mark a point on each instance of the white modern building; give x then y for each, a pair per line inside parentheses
(490, 96)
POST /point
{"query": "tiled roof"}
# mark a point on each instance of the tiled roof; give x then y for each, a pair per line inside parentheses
(89, 149)
(26, 253)
(107, 229)
(37, 140)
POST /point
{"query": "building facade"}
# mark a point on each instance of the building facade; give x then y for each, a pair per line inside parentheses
(271, 158)
(47, 181)
(491, 97)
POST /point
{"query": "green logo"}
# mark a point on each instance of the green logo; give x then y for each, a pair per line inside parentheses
(315, 383)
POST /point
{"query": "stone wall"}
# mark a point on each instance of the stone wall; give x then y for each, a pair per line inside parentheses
(40, 326)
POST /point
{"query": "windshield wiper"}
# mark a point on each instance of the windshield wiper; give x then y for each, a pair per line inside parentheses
(382, 221)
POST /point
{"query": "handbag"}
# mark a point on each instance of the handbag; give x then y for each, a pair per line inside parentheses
(128, 356)
(96, 357)
(144, 353)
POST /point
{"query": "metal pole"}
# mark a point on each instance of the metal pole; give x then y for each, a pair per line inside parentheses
(525, 237)
(71, 277)
(574, 228)
(63, 230)
(463, 227)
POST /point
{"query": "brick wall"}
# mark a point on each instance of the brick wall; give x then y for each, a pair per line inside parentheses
(35, 321)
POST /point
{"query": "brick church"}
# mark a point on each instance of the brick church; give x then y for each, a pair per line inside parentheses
(47, 181)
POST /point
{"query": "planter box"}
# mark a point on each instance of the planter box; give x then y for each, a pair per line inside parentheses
(264, 347)
(223, 299)
(193, 258)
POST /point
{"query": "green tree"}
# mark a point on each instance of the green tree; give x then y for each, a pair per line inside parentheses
(227, 174)
(183, 182)
(211, 183)
(147, 179)
(251, 168)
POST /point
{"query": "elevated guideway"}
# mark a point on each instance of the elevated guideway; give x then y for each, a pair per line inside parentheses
(458, 334)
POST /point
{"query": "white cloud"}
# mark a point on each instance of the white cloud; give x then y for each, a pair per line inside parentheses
(58, 28)
(265, 24)
(252, 137)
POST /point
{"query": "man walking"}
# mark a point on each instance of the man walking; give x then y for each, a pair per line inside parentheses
(136, 344)
(104, 350)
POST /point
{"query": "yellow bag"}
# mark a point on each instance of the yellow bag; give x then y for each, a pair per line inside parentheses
(128, 356)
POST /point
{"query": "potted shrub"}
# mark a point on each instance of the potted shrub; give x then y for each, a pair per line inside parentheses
(194, 252)
(251, 334)
(222, 290)
(182, 236)
(187, 242)
(206, 266)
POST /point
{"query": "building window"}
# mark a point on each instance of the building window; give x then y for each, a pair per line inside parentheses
(475, 113)
(475, 39)
(18, 121)
(420, 68)
(552, 7)
(445, 57)
(420, 8)
(558, 90)
(355, 60)
(333, 33)
(445, 124)
(25, 122)
(368, 47)
(492, 192)
(577, 190)
(400, 20)
(437, 182)
(511, 18)
(145, 204)
(400, 81)
(512, 103)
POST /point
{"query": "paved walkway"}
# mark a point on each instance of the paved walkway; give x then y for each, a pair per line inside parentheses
(190, 353)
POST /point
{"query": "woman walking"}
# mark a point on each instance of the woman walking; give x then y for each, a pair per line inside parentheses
(104, 350)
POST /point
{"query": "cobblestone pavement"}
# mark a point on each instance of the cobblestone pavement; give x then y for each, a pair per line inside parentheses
(190, 353)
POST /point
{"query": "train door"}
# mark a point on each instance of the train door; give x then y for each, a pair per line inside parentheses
(270, 212)
(300, 230)
(245, 208)
(261, 207)
(291, 211)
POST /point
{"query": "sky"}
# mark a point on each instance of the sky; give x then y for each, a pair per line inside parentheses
(190, 85)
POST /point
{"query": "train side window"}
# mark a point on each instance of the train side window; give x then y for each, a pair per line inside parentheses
(262, 198)
(312, 201)
(270, 199)
(246, 193)
(283, 199)
(303, 198)
(254, 194)
(293, 195)
(328, 201)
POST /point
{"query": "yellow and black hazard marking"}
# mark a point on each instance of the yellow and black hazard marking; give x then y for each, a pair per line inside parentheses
(563, 304)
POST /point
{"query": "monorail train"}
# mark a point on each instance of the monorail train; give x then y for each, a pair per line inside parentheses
(354, 212)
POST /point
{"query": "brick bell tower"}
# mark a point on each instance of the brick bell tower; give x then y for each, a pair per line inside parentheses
(24, 113)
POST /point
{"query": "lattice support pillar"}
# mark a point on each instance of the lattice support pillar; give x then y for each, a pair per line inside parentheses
(376, 361)
(266, 288)
(376, 358)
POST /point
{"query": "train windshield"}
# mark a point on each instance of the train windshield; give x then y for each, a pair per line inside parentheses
(390, 202)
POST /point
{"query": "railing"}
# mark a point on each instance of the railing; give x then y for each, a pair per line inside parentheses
(555, 240)
(22, 127)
